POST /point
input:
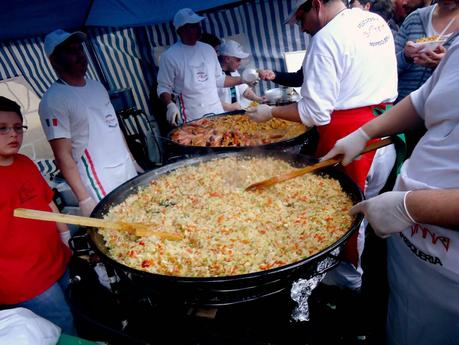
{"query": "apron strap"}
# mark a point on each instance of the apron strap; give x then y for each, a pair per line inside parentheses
(181, 107)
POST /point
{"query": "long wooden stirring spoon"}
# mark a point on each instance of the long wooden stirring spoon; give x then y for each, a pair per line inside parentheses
(138, 229)
(311, 168)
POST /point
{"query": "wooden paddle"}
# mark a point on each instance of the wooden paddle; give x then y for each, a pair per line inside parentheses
(311, 168)
(138, 229)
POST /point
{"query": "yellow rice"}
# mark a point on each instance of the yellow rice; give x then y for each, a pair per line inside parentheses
(226, 230)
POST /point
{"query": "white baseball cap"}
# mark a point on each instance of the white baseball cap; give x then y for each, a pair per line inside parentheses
(53, 39)
(186, 16)
(291, 19)
(232, 48)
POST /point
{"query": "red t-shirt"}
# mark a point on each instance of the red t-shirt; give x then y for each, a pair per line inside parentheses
(32, 255)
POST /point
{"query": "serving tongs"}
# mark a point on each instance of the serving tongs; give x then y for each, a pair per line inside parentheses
(312, 168)
(137, 229)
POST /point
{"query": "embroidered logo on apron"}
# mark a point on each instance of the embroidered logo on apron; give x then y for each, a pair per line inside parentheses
(201, 76)
(111, 121)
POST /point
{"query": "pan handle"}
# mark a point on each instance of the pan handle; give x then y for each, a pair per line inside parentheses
(233, 112)
(209, 115)
(329, 262)
(79, 244)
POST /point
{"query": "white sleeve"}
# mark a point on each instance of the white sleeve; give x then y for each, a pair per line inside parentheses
(419, 96)
(242, 88)
(166, 75)
(55, 119)
(444, 80)
(319, 91)
(220, 78)
(222, 93)
(219, 74)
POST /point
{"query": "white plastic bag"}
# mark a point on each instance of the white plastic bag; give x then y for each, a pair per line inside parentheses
(20, 326)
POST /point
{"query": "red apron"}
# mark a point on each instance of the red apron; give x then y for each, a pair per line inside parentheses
(344, 122)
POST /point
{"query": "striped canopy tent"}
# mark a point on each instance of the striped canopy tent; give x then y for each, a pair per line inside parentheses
(125, 35)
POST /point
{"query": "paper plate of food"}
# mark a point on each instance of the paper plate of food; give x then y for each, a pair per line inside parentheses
(429, 43)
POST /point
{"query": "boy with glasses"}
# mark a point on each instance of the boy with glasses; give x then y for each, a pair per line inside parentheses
(33, 254)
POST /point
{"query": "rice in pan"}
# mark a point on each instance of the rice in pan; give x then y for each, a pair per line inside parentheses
(227, 231)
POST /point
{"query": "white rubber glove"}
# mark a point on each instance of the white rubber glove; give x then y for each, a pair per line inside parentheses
(350, 146)
(86, 206)
(250, 76)
(172, 114)
(261, 113)
(65, 237)
(386, 213)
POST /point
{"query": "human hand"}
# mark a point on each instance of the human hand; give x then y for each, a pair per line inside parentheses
(411, 50)
(261, 113)
(87, 206)
(172, 114)
(65, 237)
(266, 74)
(350, 146)
(251, 83)
(263, 99)
(250, 76)
(235, 106)
(387, 213)
(430, 59)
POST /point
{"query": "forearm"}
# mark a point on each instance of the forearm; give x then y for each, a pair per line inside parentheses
(166, 98)
(232, 81)
(435, 206)
(72, 176)
(62, 149)
(289, 79)
(400, 40)
(249, 94)
(231, 106)
(287, 112)
(395, 120)
(60, 226)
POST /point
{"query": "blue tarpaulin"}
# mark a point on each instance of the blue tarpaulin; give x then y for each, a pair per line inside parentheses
(30, 18)
(125, 37)
(121, 13)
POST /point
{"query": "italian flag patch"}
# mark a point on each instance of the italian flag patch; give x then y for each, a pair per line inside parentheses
(51, 122)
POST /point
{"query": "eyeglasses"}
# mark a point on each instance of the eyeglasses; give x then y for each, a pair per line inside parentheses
(18, 129)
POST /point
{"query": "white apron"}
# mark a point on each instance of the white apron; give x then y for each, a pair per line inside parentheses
(105, 163)
(423, 272)
(201, 95)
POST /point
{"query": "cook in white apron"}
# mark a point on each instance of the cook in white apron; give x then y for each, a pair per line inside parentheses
(105, 163)
(423, 260)
(200, 94)
(423, 272)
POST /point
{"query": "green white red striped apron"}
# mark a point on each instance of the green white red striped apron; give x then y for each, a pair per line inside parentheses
(105, 163)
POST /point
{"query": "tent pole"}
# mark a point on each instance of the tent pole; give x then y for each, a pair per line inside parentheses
(97, 64)
(92, 51)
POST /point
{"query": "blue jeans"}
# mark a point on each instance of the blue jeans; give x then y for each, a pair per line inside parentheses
(52, 305)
